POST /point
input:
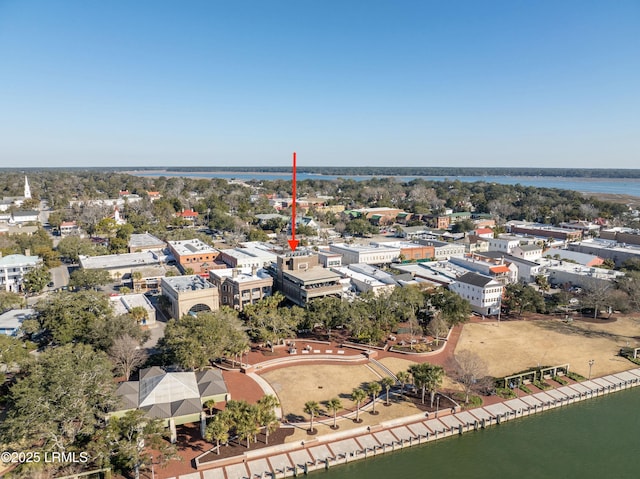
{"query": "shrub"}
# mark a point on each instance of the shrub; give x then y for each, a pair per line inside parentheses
(542, 385)
(575, 376)
(505, 393)
(559, 380)
(525, 389)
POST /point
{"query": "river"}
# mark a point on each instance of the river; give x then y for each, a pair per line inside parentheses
(625, 186)
(596, 438)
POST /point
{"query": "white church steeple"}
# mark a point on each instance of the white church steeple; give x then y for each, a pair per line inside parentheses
(27, 190)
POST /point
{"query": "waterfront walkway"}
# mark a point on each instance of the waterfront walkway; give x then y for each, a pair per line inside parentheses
(292, 459)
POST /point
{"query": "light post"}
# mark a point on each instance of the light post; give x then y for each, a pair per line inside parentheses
(437, 405)
(591, 361)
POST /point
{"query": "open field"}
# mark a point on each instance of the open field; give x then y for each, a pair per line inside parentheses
(298, 384)
(511, 346)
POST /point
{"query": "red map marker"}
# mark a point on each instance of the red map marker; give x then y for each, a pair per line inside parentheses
(293, 242)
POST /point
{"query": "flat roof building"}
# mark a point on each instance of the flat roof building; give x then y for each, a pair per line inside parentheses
(189, 295)
(125, 303)
(301, 279)
(238, 288)
(145, 242)
(196, 255)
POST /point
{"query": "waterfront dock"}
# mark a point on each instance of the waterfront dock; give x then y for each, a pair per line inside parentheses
(323, 452)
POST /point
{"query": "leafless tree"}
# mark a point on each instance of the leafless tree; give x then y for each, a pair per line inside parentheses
(438, 327)
(127, 355)
(469, 370)
(596, 294)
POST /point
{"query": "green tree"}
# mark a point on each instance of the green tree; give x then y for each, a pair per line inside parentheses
(85, 317)
(387, 383)
(374, 389)
(427, 377)
(522, 297)
(333, 405)
(245, 418)
(9, 300)
(358, 395)
(404, 377)
(61, 401)
(194, 342)
(89, 278)
(218, 430)
(312, 408)
(72, 247)
(269, 322)
(106, 227)
(13, 351)
(266, 411)
(132, 437)
(36, 279)
(453, 308)
(138, 314)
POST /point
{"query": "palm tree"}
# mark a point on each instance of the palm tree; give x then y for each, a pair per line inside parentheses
(268, 419)
(387, 383)
(374, 389)
(403, 377)
(427, 377)
(358, 395)
(217, 430)
(312, 408)
(333, 405)
(210, 404)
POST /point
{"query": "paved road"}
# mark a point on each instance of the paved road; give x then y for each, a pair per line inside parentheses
(59, 276)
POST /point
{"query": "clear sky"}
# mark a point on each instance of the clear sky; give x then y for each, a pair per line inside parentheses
(347, 82)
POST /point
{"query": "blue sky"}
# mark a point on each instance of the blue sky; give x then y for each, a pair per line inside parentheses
(357, 83)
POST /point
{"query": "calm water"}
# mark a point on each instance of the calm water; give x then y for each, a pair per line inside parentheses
(592, 185)
(597, 439)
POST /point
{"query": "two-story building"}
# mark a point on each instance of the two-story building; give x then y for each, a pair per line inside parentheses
(196, 255)
(13, 268)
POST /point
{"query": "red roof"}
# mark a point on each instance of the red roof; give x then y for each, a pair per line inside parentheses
(484, 231)
(499, 269)
(188, 214)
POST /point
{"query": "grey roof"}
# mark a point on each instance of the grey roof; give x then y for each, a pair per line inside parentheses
(145, 239)
(13, 318)
(187, 283)
(211, 383)
(116, 261)
(163, 395)
(25, 213)
(581, 258)
(474, 279)
(128, 394)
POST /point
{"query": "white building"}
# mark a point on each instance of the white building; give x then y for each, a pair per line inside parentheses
(13, 268)
(483, 293)
(530, 252)
(504, 243)
(372, 254)
(444, 249)
(124, 304)
(247, 257)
